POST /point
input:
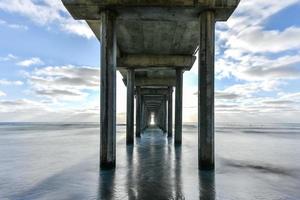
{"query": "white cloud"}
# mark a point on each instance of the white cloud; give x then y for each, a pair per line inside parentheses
(30, 62)
(6, 82)
(40, 111)
(255, 39)
(45, 13)
(77, 27)
(9, 57)
(13, 26)
(2, 94)
(253, 53)
(65, 82)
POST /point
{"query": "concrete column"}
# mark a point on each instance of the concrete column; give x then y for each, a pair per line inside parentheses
(165, 114)
(160, 117)
(170, 112)
(142, 114)
(138, 113)
(108, 91)
(147, 118)
(206, 91)
(178, 107)
(130, 107)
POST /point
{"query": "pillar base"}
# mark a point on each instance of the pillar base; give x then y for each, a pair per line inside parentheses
(107, 165)
(206, 165)
(129, 142)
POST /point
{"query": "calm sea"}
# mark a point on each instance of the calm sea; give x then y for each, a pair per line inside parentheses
(60, 161)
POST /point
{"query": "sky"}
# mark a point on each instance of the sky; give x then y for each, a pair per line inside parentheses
(50, 65)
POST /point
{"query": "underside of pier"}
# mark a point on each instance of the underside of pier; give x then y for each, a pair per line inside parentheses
(152, 43)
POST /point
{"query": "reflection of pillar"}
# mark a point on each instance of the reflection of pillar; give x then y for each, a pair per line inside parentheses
(207, 185)
(130, 178)
(138, 113)
(170, 111)
(130, 106)
(178, 107)
(108, 91)
(106, 182)
(206, 91)
(178, 173)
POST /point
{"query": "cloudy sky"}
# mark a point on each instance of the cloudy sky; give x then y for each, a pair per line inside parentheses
(49, 65)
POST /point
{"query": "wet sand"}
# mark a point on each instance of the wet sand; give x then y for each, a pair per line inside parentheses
(61, 162)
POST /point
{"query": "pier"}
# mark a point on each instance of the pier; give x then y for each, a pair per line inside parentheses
(152, 43)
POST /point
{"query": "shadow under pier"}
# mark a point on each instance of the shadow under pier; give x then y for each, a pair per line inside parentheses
(154, 168)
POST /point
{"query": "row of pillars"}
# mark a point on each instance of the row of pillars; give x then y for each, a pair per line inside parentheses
(205, 94)
(162, 111)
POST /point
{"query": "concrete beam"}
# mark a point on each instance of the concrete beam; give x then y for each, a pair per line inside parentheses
(108, 92)
(206, 151)
(89, 9)
(143, 81)
(156, 61)
(154, 91)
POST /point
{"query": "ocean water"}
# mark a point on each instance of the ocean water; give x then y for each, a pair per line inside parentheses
(60, 161)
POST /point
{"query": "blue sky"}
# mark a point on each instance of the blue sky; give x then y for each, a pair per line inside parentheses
(49, 65)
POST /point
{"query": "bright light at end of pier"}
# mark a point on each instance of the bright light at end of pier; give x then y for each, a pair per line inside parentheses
(152, 122)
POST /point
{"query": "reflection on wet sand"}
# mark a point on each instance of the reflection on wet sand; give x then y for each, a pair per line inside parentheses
(63, 163)
(152, 169)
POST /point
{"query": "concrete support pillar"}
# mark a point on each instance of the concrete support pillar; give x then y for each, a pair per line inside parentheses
(206, 92)
(130, 107)
(178, 107)
(145, 117)
(108, 91)
(159, 118)
(170, 112)
(165, 114)
(138, 113)
(142, 113)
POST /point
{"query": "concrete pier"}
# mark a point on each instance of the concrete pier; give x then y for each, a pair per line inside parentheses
(138, 112)
(170, 112)
(130, 107)
(206, 91)
(152, 44)
(108, 91)
(178, 107)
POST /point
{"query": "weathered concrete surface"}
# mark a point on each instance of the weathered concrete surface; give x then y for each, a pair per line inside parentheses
(130, 107)
(170, 111)
(108, 92)
(152, 28)
(138, 112)
(206, 91)
(89, 9)
(152, 77)
(178, 107)
(156, 61)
